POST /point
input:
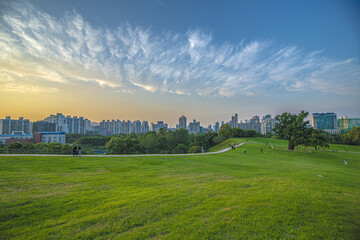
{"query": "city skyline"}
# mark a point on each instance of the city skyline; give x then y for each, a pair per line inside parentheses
(158, 60)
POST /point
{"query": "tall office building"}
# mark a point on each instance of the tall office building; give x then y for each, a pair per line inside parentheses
(345, 123)
(325, 121)
(8, 125)
(182, 122)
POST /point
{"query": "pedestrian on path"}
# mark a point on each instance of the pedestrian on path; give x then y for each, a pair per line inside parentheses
(79, 150)
(74, 150)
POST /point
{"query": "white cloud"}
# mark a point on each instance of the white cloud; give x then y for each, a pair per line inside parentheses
(128, 59)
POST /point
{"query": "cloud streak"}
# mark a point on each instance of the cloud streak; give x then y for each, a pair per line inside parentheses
(129, 59)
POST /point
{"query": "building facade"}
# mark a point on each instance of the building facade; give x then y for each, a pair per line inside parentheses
(160, 124)
(194, 126)
(182, 122)
(49, 137)
(8, 125)
(326, 122)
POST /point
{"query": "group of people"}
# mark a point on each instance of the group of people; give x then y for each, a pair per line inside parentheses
(76, 150)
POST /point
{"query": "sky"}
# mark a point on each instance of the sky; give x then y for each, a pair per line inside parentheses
(157, 60)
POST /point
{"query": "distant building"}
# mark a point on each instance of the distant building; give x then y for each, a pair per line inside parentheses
(160, 124)
(182, 122)
(145, 127)
(345, 123)
(325, 121)
(267, 124)
(42, 126)
(16, 137)
(253, 123)
(69, 124)
(49, 137)
(8, 125)
(234, 121)
(136, 127)
(194, 127)
(217, 126)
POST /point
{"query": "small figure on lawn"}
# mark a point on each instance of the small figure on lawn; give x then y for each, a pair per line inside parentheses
(345, 162)
(244, 150)
(261, 150)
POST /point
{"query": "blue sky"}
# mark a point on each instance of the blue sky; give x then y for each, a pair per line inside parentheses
(156, 60)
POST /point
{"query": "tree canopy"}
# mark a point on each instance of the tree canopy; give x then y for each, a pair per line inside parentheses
(293, 128)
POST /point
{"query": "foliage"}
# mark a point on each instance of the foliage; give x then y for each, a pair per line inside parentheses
(195, 149)
(93, 141)
(180, 148)
(123, 146)
(352, 137)
(293, 128)
(318, 138)
(225, 131)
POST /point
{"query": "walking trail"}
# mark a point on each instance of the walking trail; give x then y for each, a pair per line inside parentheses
(123, 155)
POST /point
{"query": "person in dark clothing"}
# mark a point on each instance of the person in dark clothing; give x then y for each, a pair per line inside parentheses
(74, 150)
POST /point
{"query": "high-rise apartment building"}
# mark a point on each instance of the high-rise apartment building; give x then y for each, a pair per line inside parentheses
(69, 124)
(182, 122)
(217, 126)
(160, 124)
(8, 125)
(267, 124)
(145, 127)
(194, 127)
(42, 126)
(234, 121)
(136, 127)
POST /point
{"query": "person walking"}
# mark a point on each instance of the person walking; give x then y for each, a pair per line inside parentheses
(261, 150)
(244, 150)
(74, 150)
(79, 150)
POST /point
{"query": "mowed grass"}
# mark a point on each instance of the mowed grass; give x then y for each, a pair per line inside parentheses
(277, 194)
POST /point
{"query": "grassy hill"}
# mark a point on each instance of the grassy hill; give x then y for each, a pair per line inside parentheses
(276, 194)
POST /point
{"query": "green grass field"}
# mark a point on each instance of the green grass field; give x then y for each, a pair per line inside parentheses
(277, 194)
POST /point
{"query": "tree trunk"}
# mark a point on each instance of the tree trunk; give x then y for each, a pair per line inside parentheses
(291, 147)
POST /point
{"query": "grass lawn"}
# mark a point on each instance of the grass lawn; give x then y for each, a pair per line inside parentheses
(277, 194)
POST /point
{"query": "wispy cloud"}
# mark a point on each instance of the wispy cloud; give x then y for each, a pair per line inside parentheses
(128, 59)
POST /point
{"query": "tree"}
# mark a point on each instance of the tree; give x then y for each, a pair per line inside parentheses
(225, 131)
(353, 136)
(318, 139)
(293, 128)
